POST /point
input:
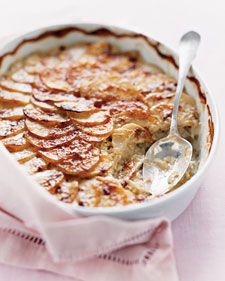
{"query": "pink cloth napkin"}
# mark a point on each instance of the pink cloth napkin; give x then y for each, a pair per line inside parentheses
(36, 234)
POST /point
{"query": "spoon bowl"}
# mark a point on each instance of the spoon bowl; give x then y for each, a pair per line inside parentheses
(165, 163)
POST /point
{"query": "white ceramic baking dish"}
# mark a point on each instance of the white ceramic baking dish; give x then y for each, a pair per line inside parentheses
(171, 204)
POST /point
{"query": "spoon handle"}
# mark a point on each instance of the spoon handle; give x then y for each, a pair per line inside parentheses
(189, 43)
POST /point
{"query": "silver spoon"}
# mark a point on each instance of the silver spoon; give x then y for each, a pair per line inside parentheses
(167, 160)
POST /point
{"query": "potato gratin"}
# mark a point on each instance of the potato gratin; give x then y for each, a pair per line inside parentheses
(80, 119)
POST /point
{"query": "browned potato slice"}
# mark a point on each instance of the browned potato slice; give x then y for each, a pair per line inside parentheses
(78, 166)
(113, 193)
(9, 128)
(24, 155)
(21, 76)
(103, 192)
(80, 105)
(16, 87)
(130, 108)
(93, 82)
(89, 194)
(50, 61)
(55, 79)
(72, 54)
(15, 143)
(92, 139)
(67, 191)
(100, 130)
(156, 97)
(130, 134)
(39, 115)
(163, 110)
(43, 105)
(50, 143)
(53, 97)
(77, 148)
(49, 179)
(102, 168)
(81, 78)
(11, 113)
(14, 97)
(48, 132)
(33, 64)
(16, 66)
(150, 82)
(93, 119)
(38, 85)
(35, 165)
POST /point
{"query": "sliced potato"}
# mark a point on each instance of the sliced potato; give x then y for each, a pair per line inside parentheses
(67, 191)
(130, 108)
(39, 115)
(53, 97)
(156, 97)
(129, 145)
(99, 131)
(77, 148)
(48, 132)
(50, 143)
(43, 105)
(132, 134)
(162, 110)
(89, 194)
(55, 79)
(126, 140)
(49, 179)
(9, 128)
(127, 167)
(102, 192)
(71, 55)
(78, 166)
(24, 155)
(152, 122)
(94, 82)
(114, 193)
(11, 113)
(93, 119)
(101, 169)
(35, 165)
(92, 139)
(14, 97)
(50, 61)
(15, 143)
(33, 64)
(16, 87)
(16, 66)
(21, 76)
(38, 85)
(150, 82)
(38, 129)
(79, 105)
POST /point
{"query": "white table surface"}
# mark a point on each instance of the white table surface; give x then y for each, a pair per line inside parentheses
(200, 256)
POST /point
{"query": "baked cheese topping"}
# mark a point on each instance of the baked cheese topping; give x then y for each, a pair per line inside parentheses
(80, 119)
